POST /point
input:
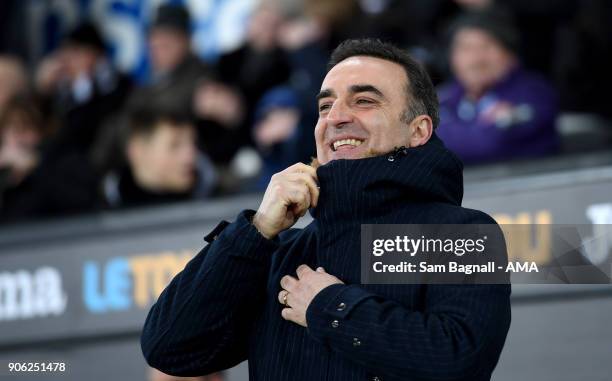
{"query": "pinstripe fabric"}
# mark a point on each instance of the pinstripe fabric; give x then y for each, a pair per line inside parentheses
(222, 308)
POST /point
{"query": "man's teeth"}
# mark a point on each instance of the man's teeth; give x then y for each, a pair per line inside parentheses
(353, 142)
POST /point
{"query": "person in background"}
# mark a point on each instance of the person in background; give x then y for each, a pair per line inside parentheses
(162, 160)
(494, 109)
(21, 132)
(175, 69)
(276, 132)
(13, 79)
(259, 64)
(181, 81)
(29, 185)
(253, 68)
(221, 116)
(82, 88)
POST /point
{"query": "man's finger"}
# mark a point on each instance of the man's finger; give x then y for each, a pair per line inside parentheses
(288, 314)
(298, 195)
(283, 297)
(303, 270)
(301, 167)
(312, 187)
(311, 182)
(288, 282)
(320, 269)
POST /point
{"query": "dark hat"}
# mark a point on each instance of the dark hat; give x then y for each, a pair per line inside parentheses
(275, 98)
(85, 34)
(495, 22)
(174, 16)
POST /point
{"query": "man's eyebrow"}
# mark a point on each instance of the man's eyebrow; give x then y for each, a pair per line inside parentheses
(366, 89)
(354, 89)
(324, 94)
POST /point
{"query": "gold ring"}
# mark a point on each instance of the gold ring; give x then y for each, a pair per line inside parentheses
(285, 298)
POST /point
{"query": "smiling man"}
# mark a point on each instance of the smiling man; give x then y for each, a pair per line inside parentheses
(290, 300)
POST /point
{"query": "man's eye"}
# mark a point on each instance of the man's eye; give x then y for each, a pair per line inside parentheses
(363, 101)
(324, 107)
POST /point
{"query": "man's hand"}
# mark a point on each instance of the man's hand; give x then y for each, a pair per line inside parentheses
(287, 198)
(297, 294)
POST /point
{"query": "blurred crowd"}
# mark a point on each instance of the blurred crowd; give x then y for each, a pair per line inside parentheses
(78, 135)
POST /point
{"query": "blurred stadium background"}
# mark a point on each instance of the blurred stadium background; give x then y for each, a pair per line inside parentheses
(130, 128)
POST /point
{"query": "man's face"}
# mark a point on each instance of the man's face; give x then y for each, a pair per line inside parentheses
(20, 132)
(361, 104)
(166, 160)
(79, 60)
(167, 48)
(478, 60)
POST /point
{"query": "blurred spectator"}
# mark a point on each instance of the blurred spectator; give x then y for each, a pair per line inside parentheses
(30, 186)
(276, 132)
(253, 68)
(418, 25)
(221, 118)
(175, 69)
(13, 79)
(21, 132)
(162, 160)
(83, 87)
(260, 63)
(180, 80)
(494, 109)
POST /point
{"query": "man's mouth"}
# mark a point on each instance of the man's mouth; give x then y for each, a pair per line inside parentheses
(345, 144)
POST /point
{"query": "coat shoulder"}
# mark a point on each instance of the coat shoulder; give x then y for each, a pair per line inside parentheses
(454, 214)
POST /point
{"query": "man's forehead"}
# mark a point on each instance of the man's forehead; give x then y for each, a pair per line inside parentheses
(364, 69)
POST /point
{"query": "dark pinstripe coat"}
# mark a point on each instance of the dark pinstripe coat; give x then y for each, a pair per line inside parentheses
(223, 309)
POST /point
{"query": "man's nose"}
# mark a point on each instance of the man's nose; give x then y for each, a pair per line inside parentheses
(338, 115)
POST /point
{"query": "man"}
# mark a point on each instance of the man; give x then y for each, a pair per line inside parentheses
(494, 110)
(175, 69)
(289, 300)
(83, 87)
(163, 162)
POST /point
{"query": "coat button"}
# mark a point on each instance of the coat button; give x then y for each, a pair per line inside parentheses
(356, 342)
(341, 306)
(335, 324)
(376, 378)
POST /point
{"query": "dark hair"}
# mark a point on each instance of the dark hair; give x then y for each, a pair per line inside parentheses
(496, 22)
(143, 119)
(420, 92)
(173, 16)
(86, 34)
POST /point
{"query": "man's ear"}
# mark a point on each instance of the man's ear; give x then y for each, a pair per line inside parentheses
(421, 129)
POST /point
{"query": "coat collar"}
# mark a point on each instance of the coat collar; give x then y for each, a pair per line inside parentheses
(367, 188)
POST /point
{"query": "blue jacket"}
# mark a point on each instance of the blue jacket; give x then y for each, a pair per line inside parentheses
(223, 308)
